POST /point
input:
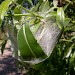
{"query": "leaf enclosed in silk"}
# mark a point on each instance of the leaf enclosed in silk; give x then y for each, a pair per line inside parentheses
(47, 35)
(28, 45)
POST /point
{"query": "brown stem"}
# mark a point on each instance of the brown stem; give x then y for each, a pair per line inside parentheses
(60, 3)
(13, 38)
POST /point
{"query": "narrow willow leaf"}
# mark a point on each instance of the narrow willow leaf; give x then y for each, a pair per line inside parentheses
(17, 11)
(72, 60)
(30, 1)
(34, 24)
(3, 8)
(40, 1)
(70, 27)
(23, 47)
(35, 8)
(28, 45)
(66, 21)
(51, 14)
(65, 7)
(60, 17)
(31, 21)
(68, 51)
(19, 1)
(41, 6)
(34, 28)
(44, 7)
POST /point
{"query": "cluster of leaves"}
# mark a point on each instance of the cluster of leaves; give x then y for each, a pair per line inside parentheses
(61, 60)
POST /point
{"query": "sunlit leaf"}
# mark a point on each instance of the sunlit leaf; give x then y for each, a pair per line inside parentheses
(3, 8)
(55, 3)
(30, 1)
(35, 8)
(34, 28)
(44, 7)
(60, 17)
(17, 11)
(51, 14)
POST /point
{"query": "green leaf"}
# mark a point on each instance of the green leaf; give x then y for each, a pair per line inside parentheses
(72, 60)
(65, 7)
(69, 27)
(68, 51)
(19, 1)
(30, 1)
(3, 8)
(28, 46)
(44, 7)
(51, 14)
(36, 47)
(60, 17)
(40, 1)
(66, 21)
(17, 11)
(34, 24)
(35, 8)
(41, 6)
(35, 27)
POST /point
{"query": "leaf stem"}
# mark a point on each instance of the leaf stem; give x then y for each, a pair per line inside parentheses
(6, 15)
(27, 10)
(69, 1)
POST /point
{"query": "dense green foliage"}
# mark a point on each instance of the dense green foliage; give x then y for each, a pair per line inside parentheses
(23, 20)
